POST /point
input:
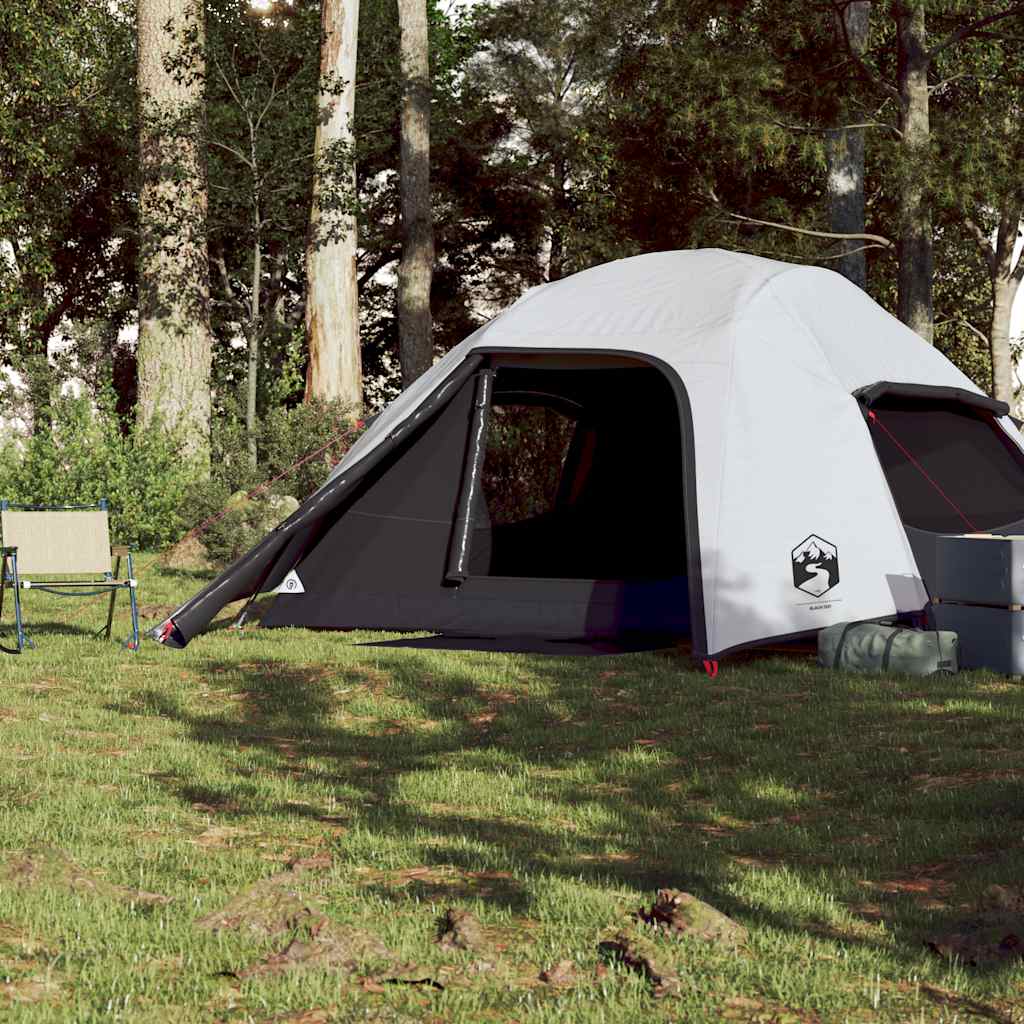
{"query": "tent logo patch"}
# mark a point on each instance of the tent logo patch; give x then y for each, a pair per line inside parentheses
(291, 584)
(815, 566)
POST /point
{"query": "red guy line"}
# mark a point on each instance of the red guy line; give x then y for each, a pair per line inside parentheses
(873, 417)
(217, 516)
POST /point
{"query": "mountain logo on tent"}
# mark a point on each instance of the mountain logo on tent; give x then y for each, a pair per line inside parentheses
(815, 566)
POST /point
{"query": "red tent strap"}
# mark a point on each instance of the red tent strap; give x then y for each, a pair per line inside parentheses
(873, 418)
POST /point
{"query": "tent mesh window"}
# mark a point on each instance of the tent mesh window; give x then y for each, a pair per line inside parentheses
(527, 446)
(951, 467)
(581, 477)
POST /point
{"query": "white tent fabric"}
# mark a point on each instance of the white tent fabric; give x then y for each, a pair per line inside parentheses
(769, 355)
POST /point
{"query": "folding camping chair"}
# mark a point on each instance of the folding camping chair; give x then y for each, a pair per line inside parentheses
(64, 541)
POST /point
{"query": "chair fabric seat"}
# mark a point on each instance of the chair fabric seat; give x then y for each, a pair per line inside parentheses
(65, 542)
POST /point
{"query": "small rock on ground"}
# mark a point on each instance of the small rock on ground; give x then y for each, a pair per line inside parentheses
(640, 955)
(561, 975)
(994, 935)
(459, 929)
(680, 913)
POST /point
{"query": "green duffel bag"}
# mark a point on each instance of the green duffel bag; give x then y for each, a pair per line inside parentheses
(873, 647)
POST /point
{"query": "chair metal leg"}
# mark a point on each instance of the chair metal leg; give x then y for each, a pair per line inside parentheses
(4, 576)
(134, 645)
(22, 639)
(113, 599)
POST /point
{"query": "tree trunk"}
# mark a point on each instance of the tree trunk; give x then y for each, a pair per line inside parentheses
(1006, 278)
(914, 298)
(556, 259)
(845, 154)
(252, 377)
(175, 344)
(416, 270)
(334, 371)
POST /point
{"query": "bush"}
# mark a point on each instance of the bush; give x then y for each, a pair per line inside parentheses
(85, 457)
(156, 497)
(284, 437)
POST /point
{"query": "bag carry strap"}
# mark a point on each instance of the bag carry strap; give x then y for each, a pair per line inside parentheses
(842, 640)
(888, 647)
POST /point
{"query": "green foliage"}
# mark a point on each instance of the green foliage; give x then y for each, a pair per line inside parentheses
(67, 154)
(526, 450)
(85, 456)
(285, 437)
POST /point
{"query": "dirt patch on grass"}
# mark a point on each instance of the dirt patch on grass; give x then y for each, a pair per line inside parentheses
(442, 882)
(155, 611)
(36, 988)
(926, 783)
(563, 974)
(273, 906)
(1000, 1012)
(323, 945)
(49, 867)
(222, 836)
(760, 1011)
(459, 929)
(18, 942)
(993, 935)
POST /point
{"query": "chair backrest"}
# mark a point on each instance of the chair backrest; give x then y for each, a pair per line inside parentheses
(62, 541)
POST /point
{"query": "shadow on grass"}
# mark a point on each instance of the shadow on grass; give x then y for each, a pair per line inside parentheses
(806, 779)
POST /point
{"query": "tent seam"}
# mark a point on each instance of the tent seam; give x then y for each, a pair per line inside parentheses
(733, 317)
(797, 321)
(712, 630)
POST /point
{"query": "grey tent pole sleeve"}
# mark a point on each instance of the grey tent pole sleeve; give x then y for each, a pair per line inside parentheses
(462, 530)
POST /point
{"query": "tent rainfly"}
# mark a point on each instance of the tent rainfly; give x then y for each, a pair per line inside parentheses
(696, 443)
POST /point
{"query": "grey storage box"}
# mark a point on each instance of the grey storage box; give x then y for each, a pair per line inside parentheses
(980, 569)
(989, 637)
(979, 593)
(873, 647)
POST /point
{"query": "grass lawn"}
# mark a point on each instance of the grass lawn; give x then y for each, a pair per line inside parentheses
(841, 820)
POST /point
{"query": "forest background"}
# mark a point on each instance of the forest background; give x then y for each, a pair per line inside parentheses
(229, 229)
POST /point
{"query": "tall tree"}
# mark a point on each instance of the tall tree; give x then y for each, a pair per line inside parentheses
(915, 59)
(334, 370)
(1006, 271)
(67, 182)
(175, 343)
(546, 63)
(845, 153)
(980, 128)
(263, 69)
(416, 269)
(916, 263)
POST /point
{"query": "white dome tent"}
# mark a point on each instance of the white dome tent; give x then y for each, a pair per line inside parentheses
(695, 442)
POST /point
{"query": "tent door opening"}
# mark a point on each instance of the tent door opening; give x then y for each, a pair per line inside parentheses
(573, 478)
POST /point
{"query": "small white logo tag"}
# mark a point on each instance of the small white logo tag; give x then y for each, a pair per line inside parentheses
(291, 584)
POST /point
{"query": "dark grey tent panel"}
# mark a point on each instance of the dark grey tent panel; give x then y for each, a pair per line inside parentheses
(262, 568)
(569, 537)
(950, 467)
